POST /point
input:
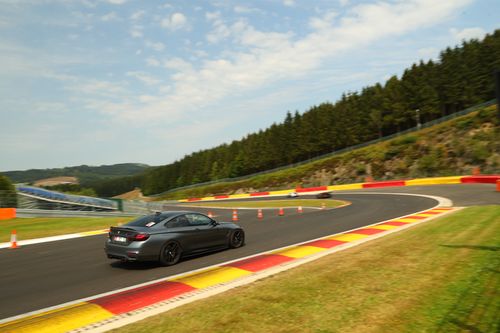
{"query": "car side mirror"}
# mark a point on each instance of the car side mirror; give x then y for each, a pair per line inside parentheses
(214, 223)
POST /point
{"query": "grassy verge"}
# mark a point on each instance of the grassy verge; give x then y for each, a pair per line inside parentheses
(28, 228)
(317, 203)
(441, 276)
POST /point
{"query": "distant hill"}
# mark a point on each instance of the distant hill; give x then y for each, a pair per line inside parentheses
(85, 174)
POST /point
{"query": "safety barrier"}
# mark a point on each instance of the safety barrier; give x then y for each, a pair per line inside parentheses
(384, 184)
(66, 199)
(7, 213)
(434, 181)
(480, 179)
(311, 189)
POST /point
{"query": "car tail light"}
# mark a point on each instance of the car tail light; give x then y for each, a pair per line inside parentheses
(139, 237)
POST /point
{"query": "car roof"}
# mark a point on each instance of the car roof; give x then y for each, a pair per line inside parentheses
(166, 214)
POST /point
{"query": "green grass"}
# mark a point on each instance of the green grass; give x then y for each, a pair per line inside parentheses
(28, 228)
(275, 203)
(441, 276)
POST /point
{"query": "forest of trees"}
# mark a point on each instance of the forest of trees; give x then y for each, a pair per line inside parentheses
(462, 77)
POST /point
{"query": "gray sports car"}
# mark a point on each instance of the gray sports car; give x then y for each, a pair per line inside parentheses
(168, 236)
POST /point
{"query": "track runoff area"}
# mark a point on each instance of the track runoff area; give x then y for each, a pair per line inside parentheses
(118, 308)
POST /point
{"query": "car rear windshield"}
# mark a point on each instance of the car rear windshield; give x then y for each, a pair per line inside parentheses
(147, 221)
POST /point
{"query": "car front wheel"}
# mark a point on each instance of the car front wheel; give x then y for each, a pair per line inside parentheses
(237, 239)
(170, 254)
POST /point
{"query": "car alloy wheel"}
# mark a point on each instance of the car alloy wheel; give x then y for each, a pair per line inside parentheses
(170, 254)
(237, 239)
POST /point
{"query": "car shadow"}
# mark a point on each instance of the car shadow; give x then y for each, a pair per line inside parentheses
(145, 265)
(135, 265)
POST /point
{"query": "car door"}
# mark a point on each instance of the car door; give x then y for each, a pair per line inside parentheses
(182, 231)
(208, 234)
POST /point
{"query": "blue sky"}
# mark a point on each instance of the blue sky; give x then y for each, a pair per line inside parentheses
(111, 81)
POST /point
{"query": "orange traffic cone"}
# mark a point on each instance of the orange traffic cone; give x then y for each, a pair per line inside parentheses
(323, 205)
(299, 209)
(210, 214)
(281, 212)
(259, 214)
(235, 215)
(13, 240)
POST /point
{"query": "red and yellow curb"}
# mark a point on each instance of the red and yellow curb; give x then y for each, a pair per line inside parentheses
(60, 320)
(81, 314)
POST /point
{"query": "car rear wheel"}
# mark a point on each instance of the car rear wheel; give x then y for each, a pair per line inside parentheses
(237, 239)
(170, 254)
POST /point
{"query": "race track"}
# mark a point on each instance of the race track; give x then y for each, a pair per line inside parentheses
(48, 274)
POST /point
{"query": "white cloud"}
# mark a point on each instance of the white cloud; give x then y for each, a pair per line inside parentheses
(137, 31)
(116, 2)
(269, 57)
(174, 22)
(289, 3)
(221, 31)
(109, 17)
(263, 58)
(467, 33)
(157, 46)
(89, 4)
(179, 65)
(144, 78)
(153, 62)
(20, 61)
(246, 10)
(166, 6)
(323, 22)
(137, 15)
(212, 16)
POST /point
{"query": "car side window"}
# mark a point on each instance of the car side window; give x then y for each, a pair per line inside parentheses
(178, 222)
(198, 219)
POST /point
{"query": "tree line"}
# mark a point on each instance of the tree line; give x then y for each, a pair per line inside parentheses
(8, 197)
(461, 77)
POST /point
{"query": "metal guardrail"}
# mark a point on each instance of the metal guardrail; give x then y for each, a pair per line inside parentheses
(56, 197)
(24, 213)
(340, 151)
(31, 206)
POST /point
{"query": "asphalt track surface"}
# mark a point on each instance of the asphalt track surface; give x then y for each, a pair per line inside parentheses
(43, 275)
